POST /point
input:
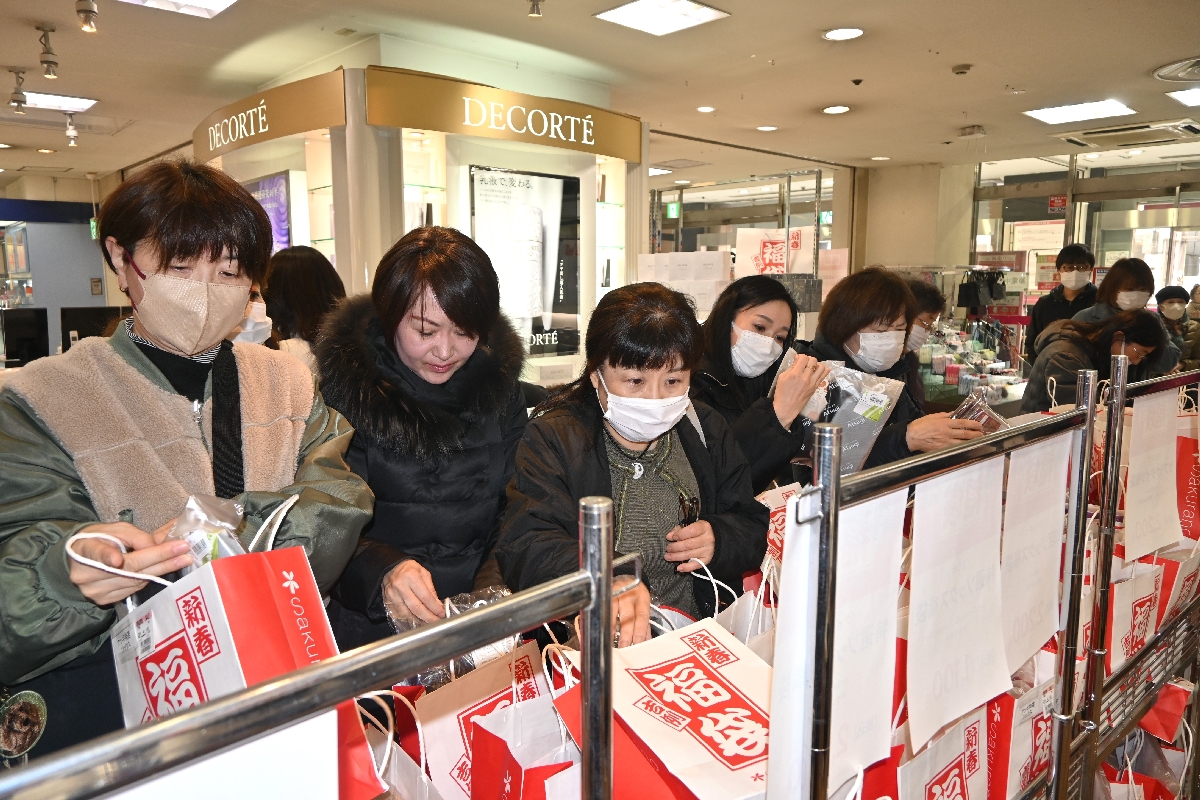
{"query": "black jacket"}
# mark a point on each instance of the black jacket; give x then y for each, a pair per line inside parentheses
(892, 444)
(768, 446)
(562, 459)
(437, 457)
(1051, 308)
(1061, 353)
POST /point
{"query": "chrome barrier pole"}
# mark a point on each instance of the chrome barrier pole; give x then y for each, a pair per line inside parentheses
(1093, 700)
(827, 445)
(1064, 717)
(596, 558)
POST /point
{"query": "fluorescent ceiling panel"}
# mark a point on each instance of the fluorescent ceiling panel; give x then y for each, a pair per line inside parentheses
(1081, 112)
(660, 17)
(57, 102)
(659, 171)
(195, 8)
(1189, 97)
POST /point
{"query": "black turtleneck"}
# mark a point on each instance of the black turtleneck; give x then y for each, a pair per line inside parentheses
(186, 376)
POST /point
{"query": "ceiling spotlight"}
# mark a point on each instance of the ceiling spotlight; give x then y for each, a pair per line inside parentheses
(1136, 152)
(535, 8)
(706, 109)
(45, 150)
(87, 12)
(881, 158)
(48, 59)
(682, 183)
(836, 109)
(658, 171)
(1092, 156)
(842, 34)
(767, 128)
(72, 133)
(743, 191)
(4, 146)
(17, 99)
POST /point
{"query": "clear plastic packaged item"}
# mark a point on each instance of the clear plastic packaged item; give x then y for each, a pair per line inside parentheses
(858, 401)
(209, 526)
(976, 407)
(439, 675)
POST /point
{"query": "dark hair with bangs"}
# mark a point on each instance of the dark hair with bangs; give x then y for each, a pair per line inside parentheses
(863, 299)
(304, 287)
(1141, 327)
(1125, 275)
(1075, 254)
(748, 292)
(930, 299)
(449, 264)
(185, 210)
(640, 326)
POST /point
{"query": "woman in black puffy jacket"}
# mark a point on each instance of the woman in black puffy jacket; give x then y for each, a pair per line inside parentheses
(426, 369)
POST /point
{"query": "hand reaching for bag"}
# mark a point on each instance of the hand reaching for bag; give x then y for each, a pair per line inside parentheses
(796, 386)
(409, 592)
(149, 553)
(631, 614)
(935, 431)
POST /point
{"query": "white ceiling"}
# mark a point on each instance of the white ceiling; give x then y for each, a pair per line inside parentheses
(163, 72)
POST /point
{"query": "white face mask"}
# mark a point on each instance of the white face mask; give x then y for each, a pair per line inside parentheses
(255, 328)
(640, 419)
(752, 353)
(1130, 301)
(1074, 280)
(878, 351)
(918, 337)
(1172, 309)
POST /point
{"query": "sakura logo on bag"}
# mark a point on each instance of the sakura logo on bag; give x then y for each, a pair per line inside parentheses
(1143, 613)
(289, 582)
(171, 677)
(1039, 758)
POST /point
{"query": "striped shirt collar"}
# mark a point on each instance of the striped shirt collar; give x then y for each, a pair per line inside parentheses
(207, 357)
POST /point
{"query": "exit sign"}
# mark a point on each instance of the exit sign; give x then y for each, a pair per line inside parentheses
(672, 210)
(92, 225)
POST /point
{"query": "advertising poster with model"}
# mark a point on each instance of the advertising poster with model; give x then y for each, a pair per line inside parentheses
(272, 192)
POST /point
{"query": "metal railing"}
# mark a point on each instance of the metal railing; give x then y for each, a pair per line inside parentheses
(124, 758)
(1066, 779)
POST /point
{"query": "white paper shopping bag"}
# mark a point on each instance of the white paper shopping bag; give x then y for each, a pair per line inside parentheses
(1132, 613)
(446, 714)
(1032, 549)
(699, 701)
(1151, 507)
(1019, 734)
(870, 538)
(953, 767)
(776, 502)
(517, 748)
(1181, 569)
(762, 251)
(956, 658)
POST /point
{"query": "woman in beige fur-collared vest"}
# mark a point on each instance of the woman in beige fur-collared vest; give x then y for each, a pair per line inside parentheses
(114, 435)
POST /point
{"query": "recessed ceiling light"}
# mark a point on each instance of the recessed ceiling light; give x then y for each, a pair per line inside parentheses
(660, 17)
(1081, 111)
(659, 171)
(706, 109)
(4, 146)
(1, 170)
(194, 8)
(768, 188)
(1189, 97)
(836, 109)
(743, 191)
(767, 128)
(45, 150)
(1092, 156)
(1136, 152)
(682, 182)
(881, 158)
(842, 34)
(58, 102)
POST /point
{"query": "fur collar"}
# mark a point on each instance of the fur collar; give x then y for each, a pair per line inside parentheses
(389, 413)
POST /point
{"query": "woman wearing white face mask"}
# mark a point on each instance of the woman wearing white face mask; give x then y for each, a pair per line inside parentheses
(864, 322)
(1128, 286)
(113, 436)
(628, 430)
(1183, 329)
(751, 325)
(930, 305)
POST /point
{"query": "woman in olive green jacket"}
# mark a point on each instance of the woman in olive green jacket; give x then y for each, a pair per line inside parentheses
(114, 435)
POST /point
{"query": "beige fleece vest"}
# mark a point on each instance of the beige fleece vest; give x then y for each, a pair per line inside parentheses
(141, 450)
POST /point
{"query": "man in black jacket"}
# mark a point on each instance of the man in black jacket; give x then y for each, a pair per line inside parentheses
(1074, 293)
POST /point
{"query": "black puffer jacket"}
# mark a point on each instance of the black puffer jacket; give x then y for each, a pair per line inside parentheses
(768, 446)
(892, 443)
(1060, 352)
(437, 457)
(562, 459)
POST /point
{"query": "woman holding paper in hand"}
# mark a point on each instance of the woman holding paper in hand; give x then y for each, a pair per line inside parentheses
(864, 323)
(627, 430)
(747, 376)
(114, 435)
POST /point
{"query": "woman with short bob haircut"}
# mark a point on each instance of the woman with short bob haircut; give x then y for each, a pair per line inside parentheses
(1068, 346)
(751, 326)
(114, 435)
(627, 430)
(865, 322)
(426, 369)
(304, 288)
(1128, 286)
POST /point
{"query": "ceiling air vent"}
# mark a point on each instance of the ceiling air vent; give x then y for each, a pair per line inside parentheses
(1184, 71)
(1135, 135)
(680, 163)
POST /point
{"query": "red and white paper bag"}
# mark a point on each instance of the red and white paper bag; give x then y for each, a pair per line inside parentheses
(952, 767)
(776, 501)
(446, 714)
(1181, 569)
(233, 623)
(1019, 733)
(699, 700)
(1132, 613)
(1165, 718)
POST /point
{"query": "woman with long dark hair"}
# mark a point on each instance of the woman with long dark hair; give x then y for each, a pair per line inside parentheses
(752, 325)
(1070, 345)
(1128, 286)
(627, 430)
(304, 288)
(426, 368)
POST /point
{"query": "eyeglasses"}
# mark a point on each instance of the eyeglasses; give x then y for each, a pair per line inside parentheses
(1074, 268)
(927, 326)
